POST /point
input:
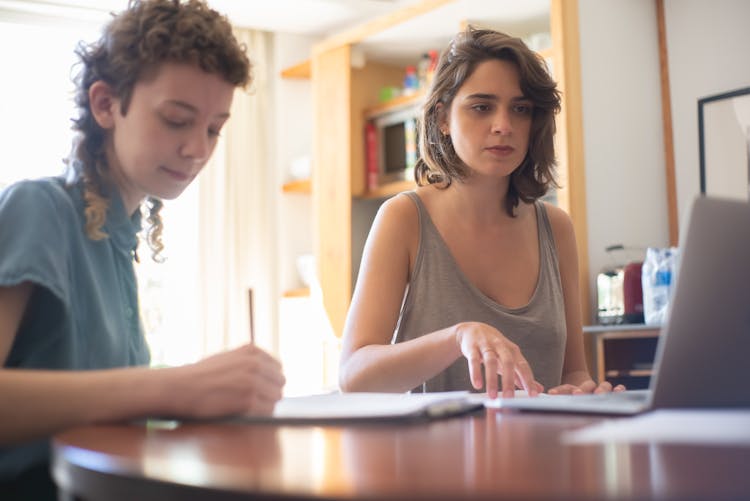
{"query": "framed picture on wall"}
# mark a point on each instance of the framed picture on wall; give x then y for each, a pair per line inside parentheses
(724, 144)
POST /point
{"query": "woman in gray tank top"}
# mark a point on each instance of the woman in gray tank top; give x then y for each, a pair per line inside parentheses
(470, 282)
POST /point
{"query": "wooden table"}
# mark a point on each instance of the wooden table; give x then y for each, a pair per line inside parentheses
(487, 455)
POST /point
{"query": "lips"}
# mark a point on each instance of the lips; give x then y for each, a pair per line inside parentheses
(175, 174)
(501, 150)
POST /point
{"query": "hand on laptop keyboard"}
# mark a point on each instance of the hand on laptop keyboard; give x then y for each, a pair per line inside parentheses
(588, 386)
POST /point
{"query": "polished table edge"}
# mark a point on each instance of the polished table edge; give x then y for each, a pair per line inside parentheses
(92, 475)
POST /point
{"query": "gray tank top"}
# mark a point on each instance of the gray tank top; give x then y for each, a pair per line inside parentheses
(440, 295)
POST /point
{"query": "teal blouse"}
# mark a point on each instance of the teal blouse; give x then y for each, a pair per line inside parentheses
(83, 312)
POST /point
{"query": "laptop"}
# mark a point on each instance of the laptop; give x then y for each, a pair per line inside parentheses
(704, 347)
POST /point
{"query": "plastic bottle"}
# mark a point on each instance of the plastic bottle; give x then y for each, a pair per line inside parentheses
(657, 281)
(423, 68)
(411, 83)
(410, 140)
(433, 55)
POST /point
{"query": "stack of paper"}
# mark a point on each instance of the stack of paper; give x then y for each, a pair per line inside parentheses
(376, 406)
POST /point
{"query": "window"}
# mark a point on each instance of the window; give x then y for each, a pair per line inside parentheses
(167, 293)
(36, 98)
(36, 103)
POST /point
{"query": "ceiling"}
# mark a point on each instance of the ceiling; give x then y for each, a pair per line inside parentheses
(308, 17)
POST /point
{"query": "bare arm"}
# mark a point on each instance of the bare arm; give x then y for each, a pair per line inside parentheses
(39, 403)
(576, 377)
(370, 363)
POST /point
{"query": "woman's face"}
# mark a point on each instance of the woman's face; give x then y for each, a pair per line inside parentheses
(170, 129)
(489, 120)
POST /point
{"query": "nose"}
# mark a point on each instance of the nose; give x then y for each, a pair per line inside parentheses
(196, 146)
(501, 122)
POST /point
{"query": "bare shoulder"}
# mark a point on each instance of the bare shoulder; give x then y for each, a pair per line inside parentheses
(559, 220)
(399, 215)
(400, 204)
(563, 233)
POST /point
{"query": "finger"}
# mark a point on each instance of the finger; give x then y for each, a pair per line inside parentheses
(508, 371)
(264, 356)
(267, 383)
(475, 370)
(539, 387)
(489, 358)
(604, 387)
(523, 369)
(619, 387)
(563, 389)
(587, 387)
(264, 391)
(263, 366)
(536, 385)
(260, 406)
(273, 374)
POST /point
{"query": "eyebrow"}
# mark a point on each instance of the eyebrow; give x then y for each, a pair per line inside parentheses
(191, 108)
(493, 97)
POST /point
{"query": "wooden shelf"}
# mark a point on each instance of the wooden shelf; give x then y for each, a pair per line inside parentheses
(623, 353)
(389, 189)
(297, 186)
(301, 292)
(394, 104)
(629, 373)
(301, 71)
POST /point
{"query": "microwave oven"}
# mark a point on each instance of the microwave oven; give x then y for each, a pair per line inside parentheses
(391, 146)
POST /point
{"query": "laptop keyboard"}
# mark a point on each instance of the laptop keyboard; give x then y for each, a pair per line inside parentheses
(629, 395)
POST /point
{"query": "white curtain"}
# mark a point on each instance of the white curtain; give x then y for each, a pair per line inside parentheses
(236, 241)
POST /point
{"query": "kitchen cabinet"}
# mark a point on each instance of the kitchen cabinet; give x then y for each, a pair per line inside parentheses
(348, 69)
(622, 354)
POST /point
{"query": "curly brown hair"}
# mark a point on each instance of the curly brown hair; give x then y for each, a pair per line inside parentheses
(133, 44)
(439, 164)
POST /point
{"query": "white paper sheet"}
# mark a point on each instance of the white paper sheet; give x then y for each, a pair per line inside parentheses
(708, 427)
(372, 406)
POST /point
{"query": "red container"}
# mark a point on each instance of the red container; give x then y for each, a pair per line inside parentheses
(632, 292)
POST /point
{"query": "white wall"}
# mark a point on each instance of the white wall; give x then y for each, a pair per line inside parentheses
(307, 348)
(294, 134)
(709, 53)
(708, 44)
(623, 139)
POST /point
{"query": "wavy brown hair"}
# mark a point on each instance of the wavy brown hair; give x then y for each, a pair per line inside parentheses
(439, 164)
(132, 45)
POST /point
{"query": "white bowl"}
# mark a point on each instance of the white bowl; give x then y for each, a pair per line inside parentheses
(300, 168)
(306, 268)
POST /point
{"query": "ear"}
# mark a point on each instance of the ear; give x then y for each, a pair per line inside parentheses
(443, 119)
(104, 104)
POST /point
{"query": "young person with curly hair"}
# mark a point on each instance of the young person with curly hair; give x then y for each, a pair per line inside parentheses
(472, 270)
(153, 94)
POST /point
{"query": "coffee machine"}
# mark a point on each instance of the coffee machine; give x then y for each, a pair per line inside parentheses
(619, 292)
